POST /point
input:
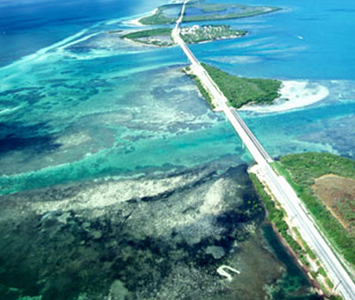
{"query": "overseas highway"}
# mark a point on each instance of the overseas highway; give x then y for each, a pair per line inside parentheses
(276, 184)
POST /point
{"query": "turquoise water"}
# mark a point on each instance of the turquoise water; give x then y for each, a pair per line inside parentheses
(83, 112)
(50, 94)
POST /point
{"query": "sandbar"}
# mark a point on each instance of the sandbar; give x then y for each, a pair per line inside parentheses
(136, 21)
(294, 94)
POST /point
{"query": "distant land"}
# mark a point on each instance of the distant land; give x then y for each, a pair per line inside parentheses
(196, 12)
(192, 35)
(238, 90)
(323, 181)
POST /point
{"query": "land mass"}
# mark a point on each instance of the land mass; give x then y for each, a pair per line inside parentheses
(325, 183)
(195, 34)
(240, 90)
(157, 37)
(207, 33)
(196, 12)
(320, 180)
(294, 95)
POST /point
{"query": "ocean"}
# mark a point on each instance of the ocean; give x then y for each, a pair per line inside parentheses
(118, 182)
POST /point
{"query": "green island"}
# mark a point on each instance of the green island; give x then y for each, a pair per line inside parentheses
(194, 34)
(240, 91)
(197, 34)
(326, 184)
(158, 37)
(195, 12)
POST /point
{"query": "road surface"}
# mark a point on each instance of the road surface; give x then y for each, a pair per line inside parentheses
(279, 187)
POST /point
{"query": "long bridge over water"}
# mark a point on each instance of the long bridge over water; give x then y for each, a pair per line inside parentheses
(277, 185)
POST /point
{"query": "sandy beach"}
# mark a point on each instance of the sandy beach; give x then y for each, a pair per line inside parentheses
(136, 21)
(133, 22)
(294, 94)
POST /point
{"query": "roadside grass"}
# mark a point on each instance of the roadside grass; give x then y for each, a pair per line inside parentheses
(276, 216)
(301, 170)
(202, 90)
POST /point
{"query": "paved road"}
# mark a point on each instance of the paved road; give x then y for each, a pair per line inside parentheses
(280, 188)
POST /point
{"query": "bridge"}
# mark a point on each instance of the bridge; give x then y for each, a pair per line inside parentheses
(276, 184)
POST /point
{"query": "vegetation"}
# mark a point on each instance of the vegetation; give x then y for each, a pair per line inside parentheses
(333, 297)
(148, 33)
(277, 216)
(322, 272)
(207, 12)
(159, 17)
(230, 12)
(209, 33)
(151, 36)
(301, 170)
(211, 7)
(329, 282)
(202, 90)
(314, 274)
(240, 91)
(305, 245)
(162, 36)
(114, 31)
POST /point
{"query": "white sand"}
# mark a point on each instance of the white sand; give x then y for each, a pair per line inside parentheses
(222, 271)
(298, 93)
(136, 22)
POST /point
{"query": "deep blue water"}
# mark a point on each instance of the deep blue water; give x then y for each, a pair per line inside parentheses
(306, 40)
(27, 26)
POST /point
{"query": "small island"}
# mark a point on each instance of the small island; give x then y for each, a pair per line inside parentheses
(156, 37)
(239, 90)
(161, 37)
(196, 12)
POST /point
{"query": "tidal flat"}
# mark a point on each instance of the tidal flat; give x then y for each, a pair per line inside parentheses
(145, 238)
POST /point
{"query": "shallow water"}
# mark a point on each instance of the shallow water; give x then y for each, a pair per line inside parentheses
(100, 137)
(154, 237)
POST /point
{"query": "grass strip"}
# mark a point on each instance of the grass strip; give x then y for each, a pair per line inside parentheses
(301, 170)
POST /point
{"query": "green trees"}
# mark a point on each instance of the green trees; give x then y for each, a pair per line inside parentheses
(275, 215)
(151, 37)
(202, 90)
(240, 91)
(303, 170)
(207, 12)
(147, 33)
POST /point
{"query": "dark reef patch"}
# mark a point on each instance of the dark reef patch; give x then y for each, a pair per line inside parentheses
(148, 238)
(18, 136)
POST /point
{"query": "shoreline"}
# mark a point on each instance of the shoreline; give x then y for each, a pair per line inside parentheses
(294, 95)
(174, 45)
(136, 22)
(140, 44)
(296, 247)
(295, 258)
